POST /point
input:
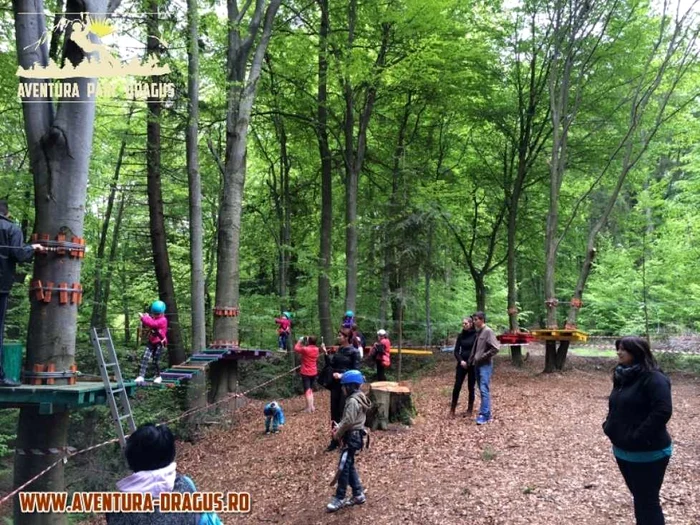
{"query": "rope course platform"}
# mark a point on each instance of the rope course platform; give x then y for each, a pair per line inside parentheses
(404, 350)
(560, 335)
(58, 398)
(199, 362)
(515, 339)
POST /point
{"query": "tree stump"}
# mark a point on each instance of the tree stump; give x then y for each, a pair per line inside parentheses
(391, 403)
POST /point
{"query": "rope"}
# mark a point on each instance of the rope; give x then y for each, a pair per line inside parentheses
(64, 459)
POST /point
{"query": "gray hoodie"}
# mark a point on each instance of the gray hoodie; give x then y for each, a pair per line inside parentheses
(354, 415)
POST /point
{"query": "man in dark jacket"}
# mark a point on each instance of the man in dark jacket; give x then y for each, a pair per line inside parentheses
(485, 347)
(12, 251)
(463, 350)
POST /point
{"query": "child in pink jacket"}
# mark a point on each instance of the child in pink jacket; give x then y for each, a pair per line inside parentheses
(156, 339)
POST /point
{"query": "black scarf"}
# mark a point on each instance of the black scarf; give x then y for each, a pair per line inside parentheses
(625, 375)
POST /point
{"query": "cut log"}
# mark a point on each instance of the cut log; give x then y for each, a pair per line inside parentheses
(391, 403)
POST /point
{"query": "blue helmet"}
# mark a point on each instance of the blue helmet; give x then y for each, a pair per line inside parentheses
(349, 313)
(158, 307)
(288, 315)
(352, 376)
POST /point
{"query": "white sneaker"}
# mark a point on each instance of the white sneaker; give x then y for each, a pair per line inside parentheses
(158, 380)
(140, 379)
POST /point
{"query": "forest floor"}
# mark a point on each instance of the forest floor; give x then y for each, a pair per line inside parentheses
(544, 459)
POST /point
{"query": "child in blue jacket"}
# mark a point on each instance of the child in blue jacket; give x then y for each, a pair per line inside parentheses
(273, 414)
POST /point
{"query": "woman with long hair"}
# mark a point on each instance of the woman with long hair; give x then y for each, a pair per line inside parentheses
(346, 358)
(639, 408)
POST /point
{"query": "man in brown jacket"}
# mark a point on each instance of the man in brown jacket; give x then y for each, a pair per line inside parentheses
(485, 347)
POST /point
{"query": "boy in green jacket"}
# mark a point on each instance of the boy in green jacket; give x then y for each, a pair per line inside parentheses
(350, 431)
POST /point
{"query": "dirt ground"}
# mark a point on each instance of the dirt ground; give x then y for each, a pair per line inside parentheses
(543, 460)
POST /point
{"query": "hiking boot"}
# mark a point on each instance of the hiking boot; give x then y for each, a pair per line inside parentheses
(359, 499)
(158, 380)
(482, 420)
(470, 411)
(140, 379)
(335, 504)
(333, 446)
(452, 412)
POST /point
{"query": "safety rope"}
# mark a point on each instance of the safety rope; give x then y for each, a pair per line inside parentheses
(64, 459)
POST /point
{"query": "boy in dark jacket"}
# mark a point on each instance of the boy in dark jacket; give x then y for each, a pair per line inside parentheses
(463, 350)
(350, 431)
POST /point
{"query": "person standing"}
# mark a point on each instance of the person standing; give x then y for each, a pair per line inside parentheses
(640, 406)
(381, 353)
(157, 324)
(485, 347)
(463, 350)
(346, 358)
(308, 351)
(12, 251)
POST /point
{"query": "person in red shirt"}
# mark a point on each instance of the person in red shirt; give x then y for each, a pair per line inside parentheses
(308, 351)
(157, 340)
(381, 354)
(284, 330)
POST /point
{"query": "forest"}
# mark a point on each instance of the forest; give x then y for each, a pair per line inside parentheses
(411, 161)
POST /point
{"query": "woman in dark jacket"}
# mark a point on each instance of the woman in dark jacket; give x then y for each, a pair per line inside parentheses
(463, 348)
(639, 408)
(346, 358)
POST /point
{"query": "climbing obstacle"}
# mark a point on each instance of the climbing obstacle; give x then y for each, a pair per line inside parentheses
(515, 338)
(58, 398)
(554, 334)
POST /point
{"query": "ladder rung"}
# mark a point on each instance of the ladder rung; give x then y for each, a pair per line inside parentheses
(122, 418)
(117, 390)
(110, 364)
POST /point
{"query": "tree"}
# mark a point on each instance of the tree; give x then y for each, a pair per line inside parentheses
(195, 182)
(59, 139)
(245, 54)
(161, 257)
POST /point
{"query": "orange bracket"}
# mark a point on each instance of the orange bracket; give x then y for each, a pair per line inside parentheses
(63, 293)
(61, 238)
(38, 289)
(576, 302)
(47, 292)
(79, 252)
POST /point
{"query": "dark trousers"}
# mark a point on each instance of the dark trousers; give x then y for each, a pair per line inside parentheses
(348, 475)
(381, 376)
(644, 481)
(337, 404)
(3, 310)
(153, 351)
(460, 375)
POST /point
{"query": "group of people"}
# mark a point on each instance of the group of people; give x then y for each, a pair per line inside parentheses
(639, 406)
(474, 350)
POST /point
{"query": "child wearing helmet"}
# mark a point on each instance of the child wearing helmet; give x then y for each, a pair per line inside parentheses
(381, 353)
(273, 414)
(348, 319)
(158, 324)
(350, 431)
(284, 330)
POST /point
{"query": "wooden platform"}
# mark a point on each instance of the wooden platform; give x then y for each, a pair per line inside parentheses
(560, 335)
(58, 398)
(411, 351)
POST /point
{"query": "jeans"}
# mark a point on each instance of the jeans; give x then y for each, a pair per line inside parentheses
(483, 378)
(470, 374)
(3, 309)
(644, 481)
(282, 340)
(275, 420)
(348, 475)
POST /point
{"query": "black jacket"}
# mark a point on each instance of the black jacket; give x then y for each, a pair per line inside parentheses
(639, 409)
(346, 358)
(11, 235)
(464, 344)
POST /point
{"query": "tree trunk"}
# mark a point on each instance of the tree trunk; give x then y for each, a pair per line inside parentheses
(161, 258)
(99, 317)
(428, 323)
(241, 95)
(198, 341)
(391, 403)
(60, 144)
(324, 282)
(110, 260)
(550, 357)
(480, 291)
